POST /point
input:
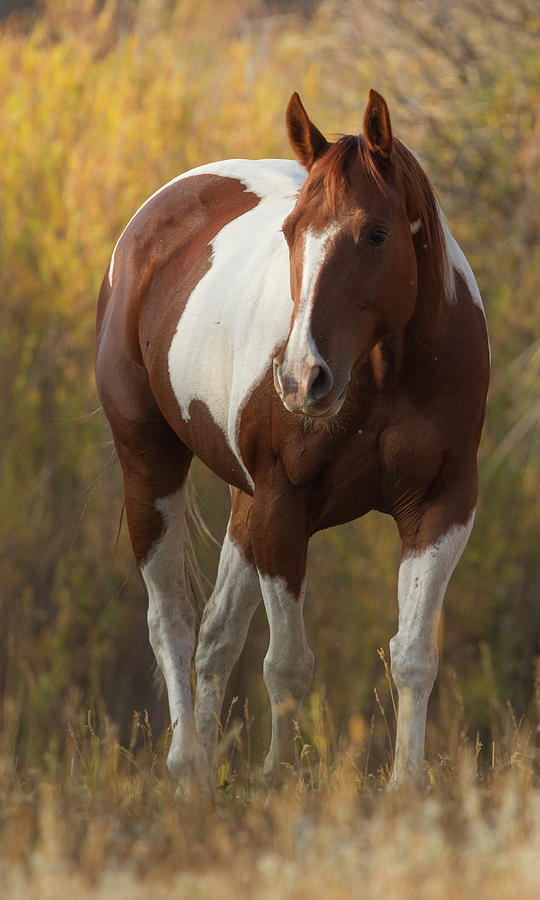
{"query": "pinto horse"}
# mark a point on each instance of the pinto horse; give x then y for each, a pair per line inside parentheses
(314, 334)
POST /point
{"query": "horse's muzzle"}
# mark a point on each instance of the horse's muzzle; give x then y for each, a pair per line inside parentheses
(309, 390)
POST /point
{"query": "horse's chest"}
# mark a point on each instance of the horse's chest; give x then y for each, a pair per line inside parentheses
(350, 489)
(387, 457)
(341, 477)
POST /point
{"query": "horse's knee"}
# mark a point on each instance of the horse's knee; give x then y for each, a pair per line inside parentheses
(413, 663)
(287, 675)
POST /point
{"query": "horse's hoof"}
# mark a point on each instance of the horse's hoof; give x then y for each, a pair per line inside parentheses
(410, 781)
(190, 770)
(276, 777)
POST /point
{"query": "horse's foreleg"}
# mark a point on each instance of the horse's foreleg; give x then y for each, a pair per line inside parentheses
(225, 622)
(423, 577)
(280, 545)
(288, 670)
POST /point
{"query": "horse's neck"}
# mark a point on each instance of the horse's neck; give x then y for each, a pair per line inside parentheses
(424, 331)
(387, 359)
(421, 338)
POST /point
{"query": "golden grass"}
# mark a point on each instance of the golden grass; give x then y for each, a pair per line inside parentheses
(102, 822)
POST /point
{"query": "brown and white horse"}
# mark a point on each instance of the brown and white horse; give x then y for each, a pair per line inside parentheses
(314, 334)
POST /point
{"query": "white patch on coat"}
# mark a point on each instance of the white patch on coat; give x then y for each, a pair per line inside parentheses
(238, 314)
(416, 226)
(423, 579)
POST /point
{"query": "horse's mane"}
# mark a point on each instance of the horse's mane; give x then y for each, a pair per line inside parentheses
(420, 194)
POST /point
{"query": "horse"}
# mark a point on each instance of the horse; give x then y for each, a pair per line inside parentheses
(312, 332)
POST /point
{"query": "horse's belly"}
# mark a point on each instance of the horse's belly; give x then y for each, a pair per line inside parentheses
(234, 321)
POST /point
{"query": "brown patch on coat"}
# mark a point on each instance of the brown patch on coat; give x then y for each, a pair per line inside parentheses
(160, 258)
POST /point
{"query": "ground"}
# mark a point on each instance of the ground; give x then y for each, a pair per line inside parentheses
(103, 822)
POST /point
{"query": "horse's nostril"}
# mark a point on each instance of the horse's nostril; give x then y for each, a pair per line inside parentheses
(322, 382)
(276, 373)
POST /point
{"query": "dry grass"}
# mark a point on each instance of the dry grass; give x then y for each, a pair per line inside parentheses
(102, 821)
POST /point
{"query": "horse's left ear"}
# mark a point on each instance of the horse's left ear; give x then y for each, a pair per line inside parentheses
(377, 128)
(306, 140)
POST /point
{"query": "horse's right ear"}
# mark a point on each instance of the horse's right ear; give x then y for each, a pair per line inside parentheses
(306, 140)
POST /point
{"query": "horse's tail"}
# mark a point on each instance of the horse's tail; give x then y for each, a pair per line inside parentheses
(195, 529)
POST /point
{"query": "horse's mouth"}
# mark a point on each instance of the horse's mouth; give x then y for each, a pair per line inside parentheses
(322, 409)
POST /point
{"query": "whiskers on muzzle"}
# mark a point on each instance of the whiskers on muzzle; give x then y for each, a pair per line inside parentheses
(331, 425)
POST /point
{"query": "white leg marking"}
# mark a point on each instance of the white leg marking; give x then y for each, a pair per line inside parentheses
(222, 635)
(423, 579)
(171, 625)
(288, 667)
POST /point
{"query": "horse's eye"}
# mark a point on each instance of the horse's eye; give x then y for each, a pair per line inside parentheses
(377, 236)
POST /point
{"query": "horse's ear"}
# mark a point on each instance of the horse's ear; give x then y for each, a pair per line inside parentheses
(377, 128)
(306, 140)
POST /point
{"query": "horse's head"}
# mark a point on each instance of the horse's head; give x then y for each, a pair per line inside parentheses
(352, 260)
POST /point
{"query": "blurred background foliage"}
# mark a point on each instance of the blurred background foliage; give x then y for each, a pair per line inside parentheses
(103, 102)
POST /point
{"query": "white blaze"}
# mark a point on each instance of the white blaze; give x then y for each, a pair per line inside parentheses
(301, 348)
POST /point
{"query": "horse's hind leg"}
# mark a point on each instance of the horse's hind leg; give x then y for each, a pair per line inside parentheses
(155, 465)
(225, 621)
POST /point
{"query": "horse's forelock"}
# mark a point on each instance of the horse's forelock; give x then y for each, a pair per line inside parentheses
(332, 172)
